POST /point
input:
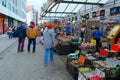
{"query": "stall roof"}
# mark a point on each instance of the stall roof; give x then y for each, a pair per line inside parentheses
(60, 8)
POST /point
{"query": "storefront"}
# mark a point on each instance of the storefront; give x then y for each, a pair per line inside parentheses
(1, 23)
(5, 24)
(10, 22)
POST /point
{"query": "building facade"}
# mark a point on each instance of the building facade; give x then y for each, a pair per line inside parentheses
(12, 12)
(32, 15)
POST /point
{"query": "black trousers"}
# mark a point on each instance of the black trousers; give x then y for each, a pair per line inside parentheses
(32, 41)
(98, 44)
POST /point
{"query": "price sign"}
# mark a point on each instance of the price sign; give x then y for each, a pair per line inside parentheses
(81, 77)
(99, 73)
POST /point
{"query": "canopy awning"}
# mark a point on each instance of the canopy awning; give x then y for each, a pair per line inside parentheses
(60, 8)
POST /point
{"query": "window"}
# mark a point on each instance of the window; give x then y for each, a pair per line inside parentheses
(4, 3)
(12, 8)
(16, 11)
(9, 6)
(15, 2)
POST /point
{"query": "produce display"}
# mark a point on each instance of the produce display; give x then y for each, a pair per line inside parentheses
(87, 64)
(67, 44)
(87, 73)
(108, 63)
(110, 66)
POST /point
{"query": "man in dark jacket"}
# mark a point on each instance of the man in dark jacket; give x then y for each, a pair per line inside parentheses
(21, 34)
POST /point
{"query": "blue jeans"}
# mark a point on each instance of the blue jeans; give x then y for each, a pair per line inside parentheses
(34, 44)
(10, 35)
(46, 55)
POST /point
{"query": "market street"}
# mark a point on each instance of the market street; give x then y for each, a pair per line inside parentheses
(29, 66)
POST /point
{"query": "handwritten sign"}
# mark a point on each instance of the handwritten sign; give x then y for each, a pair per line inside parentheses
(99, 73)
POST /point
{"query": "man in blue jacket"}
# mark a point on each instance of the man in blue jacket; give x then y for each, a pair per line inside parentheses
(97, 34)
(68, 29)
(21, 34)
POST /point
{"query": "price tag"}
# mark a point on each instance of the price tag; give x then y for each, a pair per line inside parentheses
(99, 73)
(81, 77)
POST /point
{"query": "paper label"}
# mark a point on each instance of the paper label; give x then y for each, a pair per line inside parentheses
(81, 77)
(99, 73)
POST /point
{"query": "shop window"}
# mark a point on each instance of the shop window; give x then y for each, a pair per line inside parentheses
(4, 3)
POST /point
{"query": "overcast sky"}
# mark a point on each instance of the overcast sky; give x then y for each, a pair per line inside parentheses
(37, 3)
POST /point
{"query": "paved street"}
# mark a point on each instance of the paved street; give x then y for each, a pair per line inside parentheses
(29, 66)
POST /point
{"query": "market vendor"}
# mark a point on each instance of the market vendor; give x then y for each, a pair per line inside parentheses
(68, 29)
(97, 34)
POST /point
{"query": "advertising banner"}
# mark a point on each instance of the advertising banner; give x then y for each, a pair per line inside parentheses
(102, 13)
(97, 13)
(93, 14)
(87, 16)
(49, 1)
(113, 10)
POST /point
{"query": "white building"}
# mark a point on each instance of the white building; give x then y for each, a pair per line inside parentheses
(32, 15)
(12, 12)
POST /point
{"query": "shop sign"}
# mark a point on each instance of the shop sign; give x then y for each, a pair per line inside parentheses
(119, 10)
(97, 13)
(87, 16)
(81, 77)
(93, 14)
(49, 1)
(99, 73)
(113, 11)
(72, 18)
(102, 13)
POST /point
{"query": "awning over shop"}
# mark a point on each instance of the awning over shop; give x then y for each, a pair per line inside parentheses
(60, 8)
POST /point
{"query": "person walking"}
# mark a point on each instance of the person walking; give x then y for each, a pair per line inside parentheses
(32, 34)
(10, 33)
(97, 34)
(48, 36)
(21, 34)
